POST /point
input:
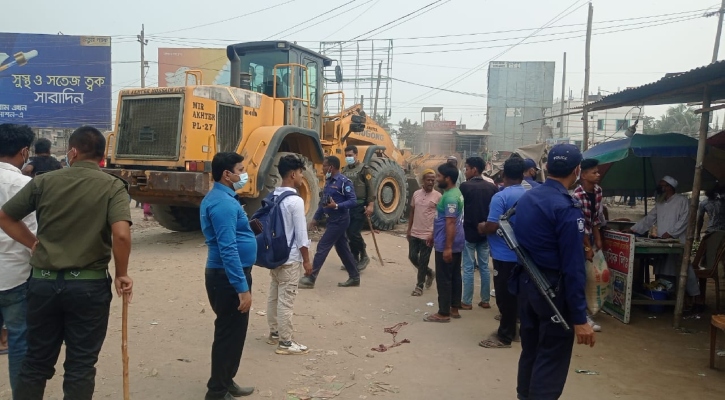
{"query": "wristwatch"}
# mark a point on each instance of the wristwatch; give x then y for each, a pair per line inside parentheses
(586, 248)
(336, 206)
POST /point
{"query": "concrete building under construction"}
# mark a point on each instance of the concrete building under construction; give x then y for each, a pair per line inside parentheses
(518, 92)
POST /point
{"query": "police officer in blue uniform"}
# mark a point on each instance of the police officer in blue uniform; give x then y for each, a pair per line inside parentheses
(338, 197)
(549, 225)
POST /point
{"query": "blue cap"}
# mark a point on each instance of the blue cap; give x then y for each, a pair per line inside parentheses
(529, 163)
(563, 159)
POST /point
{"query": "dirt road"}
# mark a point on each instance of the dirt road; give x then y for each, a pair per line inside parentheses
(171, 328)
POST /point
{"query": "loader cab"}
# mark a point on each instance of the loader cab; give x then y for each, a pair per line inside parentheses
(285, 71)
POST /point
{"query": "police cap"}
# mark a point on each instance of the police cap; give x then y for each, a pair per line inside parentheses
(563, 159)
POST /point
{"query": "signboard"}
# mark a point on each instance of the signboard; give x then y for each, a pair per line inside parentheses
(439, 125)
(173, 64)
(619, 252)
(55, 81)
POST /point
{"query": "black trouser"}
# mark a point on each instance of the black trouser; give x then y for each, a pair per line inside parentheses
(74, 311)
(545, 346)
(354, 231)
(230, 330)
(507, 303)
(419, 255)
(448, 283)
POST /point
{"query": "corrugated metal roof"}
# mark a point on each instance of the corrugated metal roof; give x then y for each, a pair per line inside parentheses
(681, 87)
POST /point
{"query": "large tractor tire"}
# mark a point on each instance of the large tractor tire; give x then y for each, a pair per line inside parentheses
(180, 219)
(309, 191)
(390, 185)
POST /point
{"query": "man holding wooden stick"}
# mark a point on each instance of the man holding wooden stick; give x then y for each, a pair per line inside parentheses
(83, 217)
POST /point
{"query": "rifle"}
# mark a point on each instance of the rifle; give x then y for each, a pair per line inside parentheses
(506, 232)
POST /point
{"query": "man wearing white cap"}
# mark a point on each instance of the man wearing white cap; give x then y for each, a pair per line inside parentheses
(670, 215)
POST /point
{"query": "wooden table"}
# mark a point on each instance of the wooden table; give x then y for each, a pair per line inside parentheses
(645, 249)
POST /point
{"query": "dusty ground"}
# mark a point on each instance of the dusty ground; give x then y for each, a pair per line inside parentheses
(171, 332)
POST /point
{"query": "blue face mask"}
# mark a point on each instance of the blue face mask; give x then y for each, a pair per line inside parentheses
(243, 179)
(67, 159)
(350, 160)
(328, 175)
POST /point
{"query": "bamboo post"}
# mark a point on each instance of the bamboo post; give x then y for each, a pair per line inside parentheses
(124, 347)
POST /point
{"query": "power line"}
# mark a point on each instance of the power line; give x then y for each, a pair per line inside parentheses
(440, 89)
(314, 18)
(546, 41)
(345, 25)
(228, 19)
(224, 41)
(396, 20)
(465, 75)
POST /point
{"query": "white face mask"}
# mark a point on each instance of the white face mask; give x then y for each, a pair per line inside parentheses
(243, 179)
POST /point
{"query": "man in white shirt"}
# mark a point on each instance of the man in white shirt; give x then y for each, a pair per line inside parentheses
(15, 141)
(285, 278)
(670, 215)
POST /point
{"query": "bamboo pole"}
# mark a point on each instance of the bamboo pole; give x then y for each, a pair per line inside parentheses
(124, 347)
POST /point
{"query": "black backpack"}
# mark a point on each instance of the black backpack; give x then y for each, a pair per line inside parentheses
(272, 244)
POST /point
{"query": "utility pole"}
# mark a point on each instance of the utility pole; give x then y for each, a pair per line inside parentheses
(563, 95)
(697, 181)
(377, 89)
(144, 42)
(719, 32)
(587, 71)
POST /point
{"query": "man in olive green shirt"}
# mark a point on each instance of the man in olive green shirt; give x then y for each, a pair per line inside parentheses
(83, 216)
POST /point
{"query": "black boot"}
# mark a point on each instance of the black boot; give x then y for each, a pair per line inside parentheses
(352, 282)
(364, 261)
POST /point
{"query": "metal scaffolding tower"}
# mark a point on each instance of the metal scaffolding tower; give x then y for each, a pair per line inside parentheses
(367, 67)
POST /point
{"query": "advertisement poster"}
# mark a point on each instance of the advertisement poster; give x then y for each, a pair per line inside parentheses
(55, 81)
(173, 64)
(619, 253)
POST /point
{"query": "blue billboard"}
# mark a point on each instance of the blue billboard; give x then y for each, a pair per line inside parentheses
(55, 81)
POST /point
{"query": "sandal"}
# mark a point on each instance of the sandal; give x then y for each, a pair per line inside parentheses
(484, 304)
(454, 313)
(497, 317)
(417, 292)
(493, 343)
(436, 318)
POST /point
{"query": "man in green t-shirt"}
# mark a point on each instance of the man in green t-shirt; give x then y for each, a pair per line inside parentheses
(448, 241)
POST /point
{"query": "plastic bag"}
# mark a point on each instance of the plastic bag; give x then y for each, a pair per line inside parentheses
(597, 282)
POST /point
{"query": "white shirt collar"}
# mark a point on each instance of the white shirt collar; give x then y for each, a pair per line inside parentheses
(9, 167)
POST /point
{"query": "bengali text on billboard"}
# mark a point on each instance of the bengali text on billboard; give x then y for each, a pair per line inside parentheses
(55, 81)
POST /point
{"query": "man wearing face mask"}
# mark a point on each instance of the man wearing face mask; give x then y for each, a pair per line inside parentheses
(15, 267)
(232, 250)
(338, 197)
(361, 181)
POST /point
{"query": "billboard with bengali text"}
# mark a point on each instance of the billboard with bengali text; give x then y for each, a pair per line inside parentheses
(55, 81)
(174, 62)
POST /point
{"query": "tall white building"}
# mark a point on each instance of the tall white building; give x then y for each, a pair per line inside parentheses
(603, 125)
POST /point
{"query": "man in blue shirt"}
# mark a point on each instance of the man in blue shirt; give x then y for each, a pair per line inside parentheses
(504, 259)
(530, 172)
(549, 225)
(232, 252)
(338, 197)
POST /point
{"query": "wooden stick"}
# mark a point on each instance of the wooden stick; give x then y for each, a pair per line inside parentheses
(124, 347)
(377, 249)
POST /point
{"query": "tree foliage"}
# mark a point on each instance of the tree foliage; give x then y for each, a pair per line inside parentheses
(678, 119)
(408, 129)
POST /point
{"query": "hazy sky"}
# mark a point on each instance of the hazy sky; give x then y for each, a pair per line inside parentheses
(635, 41)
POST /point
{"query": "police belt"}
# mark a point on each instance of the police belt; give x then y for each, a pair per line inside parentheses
(71, 274)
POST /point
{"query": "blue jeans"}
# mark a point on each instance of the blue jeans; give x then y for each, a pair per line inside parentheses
(13, 307)
(476, 253)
